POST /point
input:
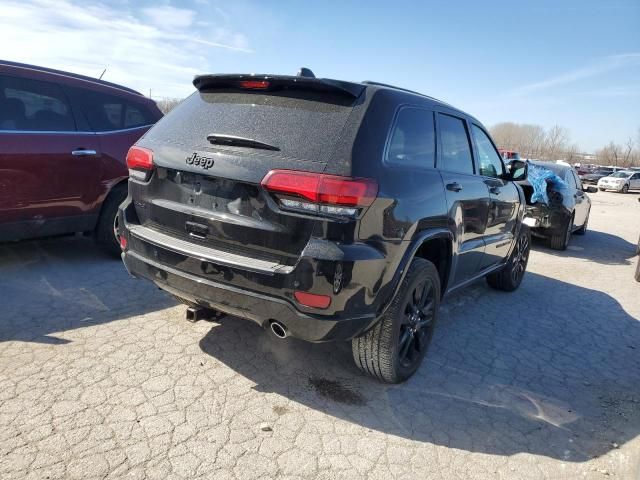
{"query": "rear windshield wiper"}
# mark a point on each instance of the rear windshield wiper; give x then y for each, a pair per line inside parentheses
(234, 141)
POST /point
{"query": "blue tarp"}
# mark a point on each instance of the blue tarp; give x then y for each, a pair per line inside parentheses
(539, 178)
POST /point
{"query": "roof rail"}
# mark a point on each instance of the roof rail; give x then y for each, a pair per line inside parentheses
(380, 84)
(69, 74)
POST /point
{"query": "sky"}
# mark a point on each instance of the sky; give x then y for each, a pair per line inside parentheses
(571, 63)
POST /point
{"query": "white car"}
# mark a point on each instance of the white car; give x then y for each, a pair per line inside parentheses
(621, 181)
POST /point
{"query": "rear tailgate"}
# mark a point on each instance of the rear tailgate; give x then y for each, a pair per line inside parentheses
(210, 195)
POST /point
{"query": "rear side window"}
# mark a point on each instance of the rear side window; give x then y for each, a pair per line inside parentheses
(570, 179)
(488, 158)
(456, 150)
(302, 125)
(34, 105)
(106, 112)
(413, 139)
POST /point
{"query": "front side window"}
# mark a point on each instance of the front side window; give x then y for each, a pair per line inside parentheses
(488, 157)
(456, 150)
(413, 140)
(576, 178)
(33, 105)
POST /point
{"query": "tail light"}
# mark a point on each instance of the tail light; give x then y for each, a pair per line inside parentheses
(140, 163)
(320, 193)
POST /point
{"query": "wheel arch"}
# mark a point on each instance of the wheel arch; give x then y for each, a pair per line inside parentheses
(433, 244)
(119, 183)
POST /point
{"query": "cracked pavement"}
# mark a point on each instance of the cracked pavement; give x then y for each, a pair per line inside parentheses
(102, 377)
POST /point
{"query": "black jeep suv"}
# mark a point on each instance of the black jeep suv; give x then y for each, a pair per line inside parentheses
(322, 209)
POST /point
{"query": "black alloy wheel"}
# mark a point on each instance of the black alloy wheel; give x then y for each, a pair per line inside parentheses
(416, 328)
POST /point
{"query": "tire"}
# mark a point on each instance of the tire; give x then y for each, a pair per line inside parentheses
(625, 188)
(510, 277)
(583, 229)
(602, 189)
(393, 349)
(561, 241)
(106, 231)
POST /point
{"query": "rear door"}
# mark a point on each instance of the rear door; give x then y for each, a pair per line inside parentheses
(581, 200)
(49, 170)
(208, 192)
(503, 209)
(635, 181)
(118, 120)
(467, 195)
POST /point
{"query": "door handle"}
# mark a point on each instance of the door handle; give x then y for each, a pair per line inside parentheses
(454, 187)
(83, 152)
(495, 190)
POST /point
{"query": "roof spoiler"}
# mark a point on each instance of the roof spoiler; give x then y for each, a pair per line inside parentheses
(268, 83)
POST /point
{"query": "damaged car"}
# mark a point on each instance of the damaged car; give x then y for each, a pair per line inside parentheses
(557, 205)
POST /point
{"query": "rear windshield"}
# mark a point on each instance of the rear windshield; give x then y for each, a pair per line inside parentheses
(302, 125)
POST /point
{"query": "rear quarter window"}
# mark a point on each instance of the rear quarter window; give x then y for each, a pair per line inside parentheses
(105, 112)
(413, 139)
(303, 125)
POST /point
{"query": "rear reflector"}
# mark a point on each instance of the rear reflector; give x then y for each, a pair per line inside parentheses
(321, 188)
(312, 300)
(139, 158)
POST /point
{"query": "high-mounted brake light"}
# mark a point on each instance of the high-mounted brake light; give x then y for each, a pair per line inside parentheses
(140, 162)
(254, 84)
(330, 194)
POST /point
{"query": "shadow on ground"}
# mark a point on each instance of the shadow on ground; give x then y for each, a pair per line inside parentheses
(57, 284)
(552, 369)
(595, 246)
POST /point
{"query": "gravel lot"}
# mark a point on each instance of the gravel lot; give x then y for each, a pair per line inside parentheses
(101, 377)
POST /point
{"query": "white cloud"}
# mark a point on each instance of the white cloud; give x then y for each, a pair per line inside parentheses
(598, 67)
(140, 49)
(169, 17)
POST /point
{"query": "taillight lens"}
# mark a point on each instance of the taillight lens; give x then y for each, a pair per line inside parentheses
(320, 193)
(140, 163)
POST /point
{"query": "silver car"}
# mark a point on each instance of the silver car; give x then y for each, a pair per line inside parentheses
(621, 181)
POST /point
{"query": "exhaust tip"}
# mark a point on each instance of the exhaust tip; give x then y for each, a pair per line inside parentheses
(278, 329)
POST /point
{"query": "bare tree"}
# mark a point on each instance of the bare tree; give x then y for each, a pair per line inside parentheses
(532, 141)
(167, 104)
(571, 154)
(556, 142)
(627, 153)
(609, 155)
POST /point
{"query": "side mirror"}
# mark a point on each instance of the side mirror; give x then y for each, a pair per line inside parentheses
(589, 189)
(517, 171)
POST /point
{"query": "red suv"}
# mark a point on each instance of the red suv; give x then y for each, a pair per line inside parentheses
(63, 145)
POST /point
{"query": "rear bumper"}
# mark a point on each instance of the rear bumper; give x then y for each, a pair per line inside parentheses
(253, 306)
(545, 221)
(262, 291)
